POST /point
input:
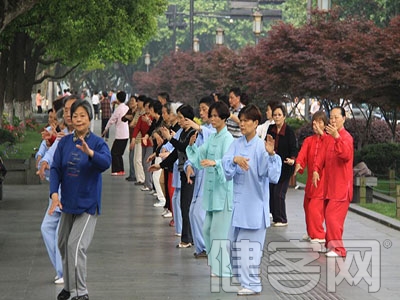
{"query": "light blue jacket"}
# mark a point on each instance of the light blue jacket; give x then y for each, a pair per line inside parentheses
(251, 187)
(217, 190)
(206, 131)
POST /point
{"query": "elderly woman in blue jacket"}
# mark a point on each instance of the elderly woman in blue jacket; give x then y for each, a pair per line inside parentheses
(251, 163)
(78, 162)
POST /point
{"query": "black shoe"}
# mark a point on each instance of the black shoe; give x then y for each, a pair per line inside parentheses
(139, 183)
(130, 179)
(83, 297)
(202, 254)
(63, 295)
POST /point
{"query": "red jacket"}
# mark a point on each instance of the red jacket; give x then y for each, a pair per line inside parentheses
(143, 126)
(310, 150)
(337, 159)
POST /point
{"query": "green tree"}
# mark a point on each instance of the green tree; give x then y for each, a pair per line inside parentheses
(72, 34)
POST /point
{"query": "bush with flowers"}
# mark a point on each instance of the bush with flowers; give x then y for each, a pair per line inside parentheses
(16, 127)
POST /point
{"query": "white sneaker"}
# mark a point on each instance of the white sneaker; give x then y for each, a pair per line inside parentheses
(168, 215)
(317, 241)
(166, 210)
(279, 224)
(145, 189)
(59, 281)
(305, 237)
(331, 254)
(246, 292)
(159, 204)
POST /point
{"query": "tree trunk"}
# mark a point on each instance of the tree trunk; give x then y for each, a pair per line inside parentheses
(18, 73)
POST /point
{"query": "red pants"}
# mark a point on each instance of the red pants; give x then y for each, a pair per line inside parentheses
(314, 213)
(335, 215)
(170, 190)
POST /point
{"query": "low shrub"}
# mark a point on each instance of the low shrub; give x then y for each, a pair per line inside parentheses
(380, 158)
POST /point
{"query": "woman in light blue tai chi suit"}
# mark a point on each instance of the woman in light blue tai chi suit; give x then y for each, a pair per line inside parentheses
(251, 163)
(217, 193)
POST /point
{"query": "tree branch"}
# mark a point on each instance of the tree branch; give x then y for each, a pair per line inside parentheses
(46, 76)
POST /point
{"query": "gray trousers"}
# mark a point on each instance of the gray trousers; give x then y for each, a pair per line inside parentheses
(74, 237)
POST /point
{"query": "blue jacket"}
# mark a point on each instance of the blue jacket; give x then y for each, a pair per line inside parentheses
(79, 175)
(251, 188)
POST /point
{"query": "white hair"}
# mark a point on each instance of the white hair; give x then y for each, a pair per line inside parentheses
(174, 107)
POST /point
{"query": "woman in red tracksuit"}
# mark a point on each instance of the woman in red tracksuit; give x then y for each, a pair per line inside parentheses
(337, 159)
(314, 196)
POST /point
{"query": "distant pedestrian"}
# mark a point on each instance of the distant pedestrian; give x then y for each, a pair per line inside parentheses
(105, 107)
(121, 135)
(39, 99)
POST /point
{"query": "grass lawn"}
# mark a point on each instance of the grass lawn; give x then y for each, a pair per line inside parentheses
(387, 209)
(24, 149)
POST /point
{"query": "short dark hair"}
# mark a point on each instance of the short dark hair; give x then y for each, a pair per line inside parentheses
(221, 108)
(282, 107)
(121, 96)
(342, 111)
(141, 98)
(165, 96)
(157, 106)
(186, 110)
(85, 104)
(208, 100)
(66, 99)
(272, 104)
(251, 112)
(236, 91)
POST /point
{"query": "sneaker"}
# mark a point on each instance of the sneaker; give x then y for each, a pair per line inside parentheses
(63, 295)
(83, 297)
(130, 179)
(331, 254)
(279, 224)
(154, 193)
(120, 173)
(168, 215)
(317, 241)
(178, 234)
(159, 204)
(184, 245)
(246, 292)
(202, 254)
(166, 210)
(138, 183)
(306, 237)
(59, 281)
(145, 189)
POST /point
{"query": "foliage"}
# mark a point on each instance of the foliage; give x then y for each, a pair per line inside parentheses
(380, 164)
(387, 209)
(23, 149)
(6, 137)
(16, 127)
(32, 124)
(295, 123)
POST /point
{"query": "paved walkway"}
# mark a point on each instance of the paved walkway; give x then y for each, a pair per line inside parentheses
(133, 254)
